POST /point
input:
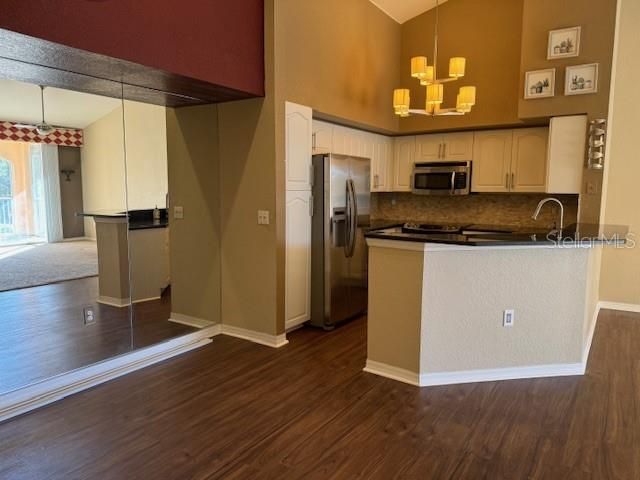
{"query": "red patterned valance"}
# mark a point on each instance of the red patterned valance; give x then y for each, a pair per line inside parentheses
(59, 136)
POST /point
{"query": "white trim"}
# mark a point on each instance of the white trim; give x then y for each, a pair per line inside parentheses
(394, 373)
(58, 387)
(192, 321)
(275, 341)
(114, 301)
(492, 375)
(150, 299)
(294, 323)
(592, 329)
(624, 307)
(473, 376)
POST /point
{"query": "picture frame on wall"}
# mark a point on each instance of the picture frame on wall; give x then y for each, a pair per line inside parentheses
(540, 84)
(581, 79)
(564, 43)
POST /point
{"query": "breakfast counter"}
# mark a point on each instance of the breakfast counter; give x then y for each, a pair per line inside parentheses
(465, 307)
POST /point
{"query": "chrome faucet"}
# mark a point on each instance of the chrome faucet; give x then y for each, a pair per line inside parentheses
(550, 199)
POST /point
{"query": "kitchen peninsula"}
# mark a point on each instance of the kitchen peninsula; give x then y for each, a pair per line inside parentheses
(481, 303)
(133, 255)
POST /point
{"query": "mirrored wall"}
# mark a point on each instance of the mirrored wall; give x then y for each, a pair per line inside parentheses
(86, 254)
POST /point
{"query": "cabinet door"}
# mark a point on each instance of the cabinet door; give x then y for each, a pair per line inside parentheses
(298, 258)
(341, 141)
(491, 167)
(369, 140)
(457, 147)
(385, 182)
(529, 160)
(428, 148)
(298, 135)
(322, 136)
(404, 155)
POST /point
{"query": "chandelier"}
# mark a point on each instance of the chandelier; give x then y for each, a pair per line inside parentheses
(427, 75)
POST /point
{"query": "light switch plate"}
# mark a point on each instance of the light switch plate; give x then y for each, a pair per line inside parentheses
(508, 317)
(178, 212)
(263, 217)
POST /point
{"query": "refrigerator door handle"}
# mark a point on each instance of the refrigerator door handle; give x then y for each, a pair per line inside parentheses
(352, 220)
(347, 223)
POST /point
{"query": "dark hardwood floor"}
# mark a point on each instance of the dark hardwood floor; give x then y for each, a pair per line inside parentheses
(237, 410)
(42, 332)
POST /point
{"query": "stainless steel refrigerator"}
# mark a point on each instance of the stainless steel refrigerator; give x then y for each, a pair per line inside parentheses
(341, 203)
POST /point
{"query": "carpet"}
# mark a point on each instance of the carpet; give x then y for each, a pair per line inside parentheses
(23, 266)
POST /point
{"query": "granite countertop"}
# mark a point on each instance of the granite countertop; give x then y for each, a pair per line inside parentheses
(138, 219)
(499, 235)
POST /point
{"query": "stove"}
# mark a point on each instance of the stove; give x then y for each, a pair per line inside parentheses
(426, 228)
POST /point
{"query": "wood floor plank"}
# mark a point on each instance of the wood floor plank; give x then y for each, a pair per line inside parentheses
(237, 410)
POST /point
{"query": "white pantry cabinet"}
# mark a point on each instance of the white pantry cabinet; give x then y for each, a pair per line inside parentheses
(404, 150)
(298, 133)
(298, 258)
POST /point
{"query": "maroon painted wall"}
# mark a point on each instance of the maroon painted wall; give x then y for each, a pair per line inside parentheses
(217, 41)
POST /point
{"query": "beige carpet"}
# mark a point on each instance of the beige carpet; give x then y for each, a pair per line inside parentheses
(24, 266)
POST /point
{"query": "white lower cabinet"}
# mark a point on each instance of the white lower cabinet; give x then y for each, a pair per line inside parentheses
(298, 258)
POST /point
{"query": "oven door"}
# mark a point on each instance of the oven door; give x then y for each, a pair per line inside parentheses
(440, 180)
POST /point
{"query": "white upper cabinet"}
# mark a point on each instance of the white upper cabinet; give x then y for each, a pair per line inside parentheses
(382, 164)
(529, 160)
(491, 168)
(428, 148)
(447, 147)
(404, 158)
(298, 133)
(457, 147)
(322, 136)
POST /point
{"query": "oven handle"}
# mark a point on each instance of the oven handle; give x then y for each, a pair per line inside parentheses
(453, 182)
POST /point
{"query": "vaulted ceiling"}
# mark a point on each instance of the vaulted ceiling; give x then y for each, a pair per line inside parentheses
(403, 10)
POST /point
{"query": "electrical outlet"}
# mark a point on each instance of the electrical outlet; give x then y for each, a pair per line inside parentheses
(508, 317)
(178, 212)
(263, 217)
(89, 315)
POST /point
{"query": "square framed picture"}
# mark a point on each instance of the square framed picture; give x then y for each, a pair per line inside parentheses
(564, 43)
(540, 83)
(581, 79)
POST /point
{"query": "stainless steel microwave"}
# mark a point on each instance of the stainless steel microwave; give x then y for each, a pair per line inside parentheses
(441, 178)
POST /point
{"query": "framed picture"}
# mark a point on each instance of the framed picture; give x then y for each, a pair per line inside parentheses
(564, 43)
(581, 79)
(540, 83)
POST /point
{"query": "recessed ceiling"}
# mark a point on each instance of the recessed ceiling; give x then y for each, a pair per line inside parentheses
(403, 10)
(20, 103)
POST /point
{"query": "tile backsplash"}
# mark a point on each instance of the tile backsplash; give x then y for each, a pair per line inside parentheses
(482, 208)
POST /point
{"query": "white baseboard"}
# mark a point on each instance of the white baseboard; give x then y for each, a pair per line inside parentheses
(114, 301)
(58, 387)
(492, 375)
(472, 376)
(394, 373)
(625, 307)
(191, 321)
(142, 300)
(275, 341)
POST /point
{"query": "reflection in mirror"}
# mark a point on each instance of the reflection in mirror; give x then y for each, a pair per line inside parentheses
(152, 229)
(64, 292)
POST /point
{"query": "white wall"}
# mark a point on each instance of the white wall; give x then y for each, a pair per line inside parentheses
(146, 155)
(103, 161)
